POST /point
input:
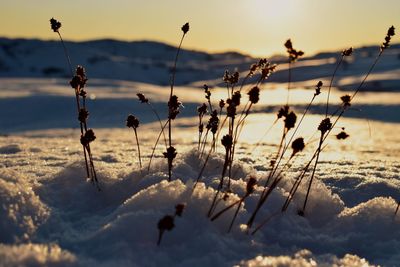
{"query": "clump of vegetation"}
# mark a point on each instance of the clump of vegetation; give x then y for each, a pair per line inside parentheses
(233, 112)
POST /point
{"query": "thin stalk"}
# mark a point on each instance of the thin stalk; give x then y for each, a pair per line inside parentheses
(289, 79)
(330, 84)
(212, 207)
(368, 73)
(170, 97)
(155, 145)
(397, 209)
(313, 172)
(66, 54)
(138, 147)
(159, 120)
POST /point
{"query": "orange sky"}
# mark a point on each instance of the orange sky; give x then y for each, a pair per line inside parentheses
(257, 27)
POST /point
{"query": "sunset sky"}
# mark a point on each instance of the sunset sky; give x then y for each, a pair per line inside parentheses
(256, 27)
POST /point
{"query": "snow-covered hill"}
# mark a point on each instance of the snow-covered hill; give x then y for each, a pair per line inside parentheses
(141, 61)
(151, 62)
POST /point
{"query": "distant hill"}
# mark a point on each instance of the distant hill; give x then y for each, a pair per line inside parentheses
(151, 62)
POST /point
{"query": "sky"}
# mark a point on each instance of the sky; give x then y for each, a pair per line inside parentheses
(255, 27)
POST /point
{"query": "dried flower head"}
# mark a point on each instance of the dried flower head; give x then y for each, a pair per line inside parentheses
(55, 24)
(179, 209)
(142, 98)
(166, 223)
(232, 104)
(283, 111)
(254, 95)
(207, 91)
(318, 88)
(173, 105)
(231, 78)
(293, 53)
(132, 122)
(227, 141)
(213, 122)
(342, 135)
(88, 137)
(82, 93)
(202, 110)
(290, 120)
(83, 115)
(251, 183)
(80, 79)
(298, 145)
(171, 153)
(221, 103)
(236, 98)
(346, 99)
(347, 52)
(185, 28)
(388, 38)
(325, 125)
(267, 69)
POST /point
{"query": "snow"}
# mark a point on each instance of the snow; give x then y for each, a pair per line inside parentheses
(50, 215)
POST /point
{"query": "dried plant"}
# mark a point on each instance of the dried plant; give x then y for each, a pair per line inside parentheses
(78, 83)
(251, 183)
(133, 122)
(144, 100)
(293, 56)
(173, 107)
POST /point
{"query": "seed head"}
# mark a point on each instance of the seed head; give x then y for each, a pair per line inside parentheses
(79, 80)
(298, 145)
(202, 110)
(185, 28)
(83, 115)
(142, 98)
(325, 125)
(231, 78)
(179, 209)
(166, 223)
(254, 95)
(171, 153)
(283, 111)
(342, 135)
(251, 183)
(82, 93)
(290, 120)
(293, 53)
(55, 24)
(132, 122)
(346, 99)
(227, 141)
(388, 37)
(347, 52)
(213, 122)
(318, 88)
(207, 91)
(173, 105)
(88, 137)
(221, 103)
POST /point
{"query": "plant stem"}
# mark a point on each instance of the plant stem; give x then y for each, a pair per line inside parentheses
(330, 84)
(138, 147)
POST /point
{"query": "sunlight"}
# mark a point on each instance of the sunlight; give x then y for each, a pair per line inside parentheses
(276, 9)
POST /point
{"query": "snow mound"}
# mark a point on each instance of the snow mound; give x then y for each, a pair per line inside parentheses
(118, 225)
(21, 211)
(35, 255)
(305, 258)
